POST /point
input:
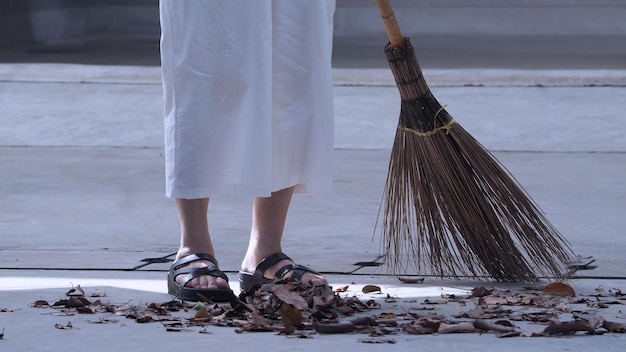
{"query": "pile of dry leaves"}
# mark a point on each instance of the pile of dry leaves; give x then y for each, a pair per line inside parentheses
(289, 308)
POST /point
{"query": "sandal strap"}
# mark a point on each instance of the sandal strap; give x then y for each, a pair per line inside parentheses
(297, 271)
(268, 262)
(194, 258)
(180, 267)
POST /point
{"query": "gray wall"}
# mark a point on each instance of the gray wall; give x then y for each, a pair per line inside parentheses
(72, 21)
(356, 18)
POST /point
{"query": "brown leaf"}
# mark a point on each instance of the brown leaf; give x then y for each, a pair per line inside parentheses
(76, 302)
(175, 326)
(568, 328)
(372, 304)
(595, 321)
(390, 299)
(377, 340)
(67, 326)
(371, 288)
(84, 310)
(75, 291)
(435, 301)
(346, 310)
(408, 280)
(538, 317)
(145, 318)
(456, 328)
(40, 304)
(492, 300)
(337, 328)
(367, 321)
(611, 326)
(387, 315)
(342, 289)
(322, 297)
(485, 325)
(259, 323)
(291, 317)
(286, 294)
(103, 321)
(202, 314)
(481, 291)
(417, 330)
(559, 289)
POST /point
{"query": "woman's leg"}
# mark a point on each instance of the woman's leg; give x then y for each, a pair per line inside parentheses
(195, 238)
(268, 221)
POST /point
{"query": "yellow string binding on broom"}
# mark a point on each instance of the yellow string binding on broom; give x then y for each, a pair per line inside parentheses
(445, 127)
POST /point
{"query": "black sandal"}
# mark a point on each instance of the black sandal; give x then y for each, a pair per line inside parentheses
(180, 267)
(249, 281)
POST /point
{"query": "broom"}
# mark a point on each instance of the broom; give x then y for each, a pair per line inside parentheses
(448, 204)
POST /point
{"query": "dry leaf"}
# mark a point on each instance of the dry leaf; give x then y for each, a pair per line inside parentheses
(103, 321)
(485, 325)
(67, 326)
(259, 323)
(561, 307)
(338, 328)
(456, 328)
(435, 301)
(407, 280)
(559, 289)
(342, 289)
(202, 314)
(390, 299)
(291, 317)
(611, 326)
(75, 291)
(366, 321)
(377, 340)
(492, 300)
(481, 291)
(40, 304)
(418, 330)
(288, 295)
(387, 315)
(371, 288)
(568, 328)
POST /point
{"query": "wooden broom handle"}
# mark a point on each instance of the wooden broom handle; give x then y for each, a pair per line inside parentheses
(391, 24)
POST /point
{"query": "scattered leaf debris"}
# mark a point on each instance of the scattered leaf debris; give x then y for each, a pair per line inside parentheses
(294, 310)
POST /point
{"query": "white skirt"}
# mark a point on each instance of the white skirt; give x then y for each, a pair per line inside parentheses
(248, 96)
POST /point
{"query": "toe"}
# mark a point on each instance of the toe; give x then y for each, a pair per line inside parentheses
(313, 279)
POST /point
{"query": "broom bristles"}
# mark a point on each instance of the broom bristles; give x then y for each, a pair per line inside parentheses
(453, 208)
(450, 206)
